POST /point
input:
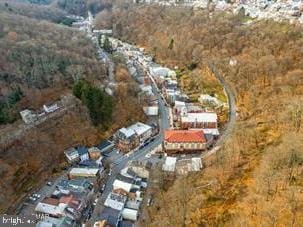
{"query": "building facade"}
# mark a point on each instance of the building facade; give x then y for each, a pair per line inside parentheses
(184, 141)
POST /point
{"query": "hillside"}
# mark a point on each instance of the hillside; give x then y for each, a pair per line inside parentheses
(39, 63)
(41, 12)
(256, 177)
(44, 59)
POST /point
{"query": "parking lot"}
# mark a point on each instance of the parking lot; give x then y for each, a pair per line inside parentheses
(28, 207)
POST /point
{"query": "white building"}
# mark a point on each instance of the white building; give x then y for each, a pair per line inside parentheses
(115, 201)
(28, 116)
(50, 108)
(170, 164)
(199, 120)
(84, 172)
(51, 207)
(130, 214)
(151, 110)
(143, 131)
(72, 155)
(123, 185)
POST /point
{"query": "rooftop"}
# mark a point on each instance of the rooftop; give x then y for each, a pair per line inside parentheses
(186, 136)
(82, 150)
(199, 117)
(127, 132)
(140, 128)
(87, 171)
(111, 215)
(115, 201)
(121, 184)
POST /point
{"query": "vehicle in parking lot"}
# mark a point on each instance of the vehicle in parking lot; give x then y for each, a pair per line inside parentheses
(36, 196)
(32, 198)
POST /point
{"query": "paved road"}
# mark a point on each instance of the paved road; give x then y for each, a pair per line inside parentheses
(122, 162)
(232, 111)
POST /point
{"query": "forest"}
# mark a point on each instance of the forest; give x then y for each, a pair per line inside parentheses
(46, 57)
(255, 179)
(40, 62)
(98, 102)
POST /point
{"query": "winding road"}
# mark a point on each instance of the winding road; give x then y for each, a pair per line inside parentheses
(232, 112)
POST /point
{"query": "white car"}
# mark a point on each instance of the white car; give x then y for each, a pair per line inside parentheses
(38, 196)
(32, 198)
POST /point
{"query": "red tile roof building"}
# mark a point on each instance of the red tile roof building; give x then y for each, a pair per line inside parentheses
(184, 141)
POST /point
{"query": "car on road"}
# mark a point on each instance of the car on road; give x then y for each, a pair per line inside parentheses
(110, 172)
(49, 183)
(102, 188)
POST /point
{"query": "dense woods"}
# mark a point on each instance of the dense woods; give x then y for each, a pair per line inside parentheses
(39, 63)
(41, 12)
(80, 7)
(98, 102)
(256, 177)
(35, 56)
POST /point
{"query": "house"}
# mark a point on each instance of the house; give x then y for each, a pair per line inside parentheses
(76, 185)
(84, 172)
(49, 108)
(143, 131)
(123, 185)
(199, 120)
(111, 216)
(51, 207)
(94, 153)
(72, 155)
(115, 201)
(56, 222)
(151, 110)
(83, 153)
(126, 139)
(170, 164)
(75, 206)
(184, 141)
(131, 204)
(28, 116)
(106, 146)
(130, 214)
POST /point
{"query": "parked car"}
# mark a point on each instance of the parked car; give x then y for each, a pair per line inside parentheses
(32, 198)
(49, 183)
(38, 196)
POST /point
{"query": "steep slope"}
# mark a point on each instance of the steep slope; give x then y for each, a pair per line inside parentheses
(41, 12)
(256, 177)
(38, 57)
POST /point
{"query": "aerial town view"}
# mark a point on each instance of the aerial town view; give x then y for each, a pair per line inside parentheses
(131, 113)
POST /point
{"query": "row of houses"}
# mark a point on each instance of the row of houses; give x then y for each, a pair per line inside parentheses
(30, 116)
(193, 128)
(66, 204)
(122, 205)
